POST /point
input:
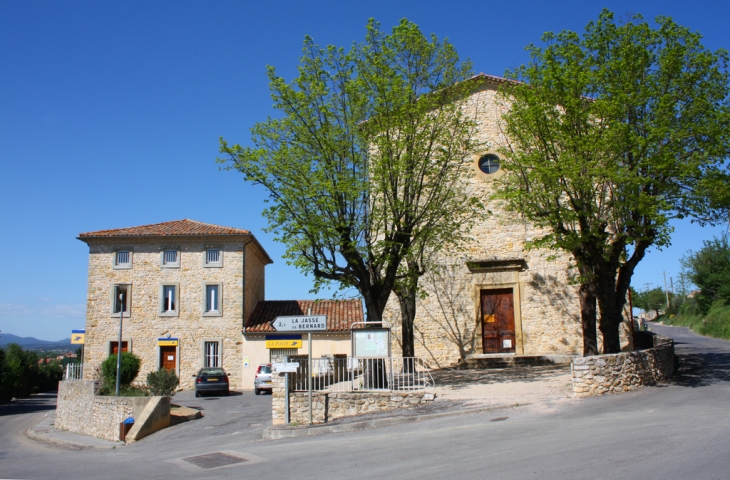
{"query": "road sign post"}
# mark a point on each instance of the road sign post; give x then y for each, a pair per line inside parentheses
(302, 323)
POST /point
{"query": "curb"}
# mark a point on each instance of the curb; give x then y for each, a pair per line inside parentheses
(272, 433)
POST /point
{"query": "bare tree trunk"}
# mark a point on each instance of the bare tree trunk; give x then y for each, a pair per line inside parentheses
(587, 293)
(407, 302)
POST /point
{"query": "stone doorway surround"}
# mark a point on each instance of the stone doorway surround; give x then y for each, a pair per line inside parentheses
(498, 274)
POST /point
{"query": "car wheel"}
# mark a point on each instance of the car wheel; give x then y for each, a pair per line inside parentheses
(227, 393)
(197, 394)
(257, 391)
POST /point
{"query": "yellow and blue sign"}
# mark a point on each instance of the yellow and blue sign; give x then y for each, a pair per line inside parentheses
(283, 344)
(283, 341)
(167, 342)
(78, 337)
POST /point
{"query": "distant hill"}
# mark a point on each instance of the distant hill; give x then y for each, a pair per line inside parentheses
(31, 342)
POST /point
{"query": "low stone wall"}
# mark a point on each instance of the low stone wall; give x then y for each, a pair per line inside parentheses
(328, 406)
(79, 410)
(621, 372)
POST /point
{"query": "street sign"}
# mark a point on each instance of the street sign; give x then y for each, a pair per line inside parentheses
(300, 323)
(77, 337)
(289, 367)
(283, 344)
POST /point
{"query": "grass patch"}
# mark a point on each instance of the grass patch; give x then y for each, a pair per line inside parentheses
(715, 324)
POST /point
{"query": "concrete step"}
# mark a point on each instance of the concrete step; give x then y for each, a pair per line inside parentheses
(507, 361)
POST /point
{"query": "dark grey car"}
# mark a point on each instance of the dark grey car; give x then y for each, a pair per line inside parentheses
(211, 380)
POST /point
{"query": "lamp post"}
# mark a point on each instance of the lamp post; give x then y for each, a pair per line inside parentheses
(119, 344)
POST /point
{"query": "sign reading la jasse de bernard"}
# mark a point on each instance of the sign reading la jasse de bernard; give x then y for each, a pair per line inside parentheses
(300, 323)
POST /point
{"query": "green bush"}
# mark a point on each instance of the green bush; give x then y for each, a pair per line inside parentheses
(130, 368)
(717, 321)
(162, 382)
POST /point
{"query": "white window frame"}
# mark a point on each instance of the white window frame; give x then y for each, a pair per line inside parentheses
(178, 254)
(219, 311)
(163, 300)
(122, 266)
(204, 354)
(217, 264)
(113, 300)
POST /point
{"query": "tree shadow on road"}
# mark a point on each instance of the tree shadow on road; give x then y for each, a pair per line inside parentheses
(702, 369)
(36, 403)
(464, 378)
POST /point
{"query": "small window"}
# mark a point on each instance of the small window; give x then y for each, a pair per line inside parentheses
(121, 300)
(211, 355)
(169, 299)
(212, 299)
(213, 257)
(114, 347)
(170, 258)
(122, 258)
(489, 164)
(169, 304)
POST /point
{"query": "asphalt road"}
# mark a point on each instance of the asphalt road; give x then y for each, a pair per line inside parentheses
(678, 430)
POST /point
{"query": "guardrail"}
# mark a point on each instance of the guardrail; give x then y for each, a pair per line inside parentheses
(348, 374)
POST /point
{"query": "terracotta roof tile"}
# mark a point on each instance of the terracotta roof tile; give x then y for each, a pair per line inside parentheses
(168, 229)
(341, 314)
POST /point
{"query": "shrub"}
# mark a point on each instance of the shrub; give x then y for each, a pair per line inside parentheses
(162, 382)
(130, 368)
(717, 321)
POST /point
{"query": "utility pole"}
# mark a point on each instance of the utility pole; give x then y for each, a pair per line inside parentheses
(666, 292)
(119, 344)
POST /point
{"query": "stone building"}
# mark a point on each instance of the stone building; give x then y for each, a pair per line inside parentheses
(493, 296)
(261, 342)
(184, 290)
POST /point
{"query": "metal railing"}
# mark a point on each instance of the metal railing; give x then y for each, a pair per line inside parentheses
(348, 374)
(74, 371)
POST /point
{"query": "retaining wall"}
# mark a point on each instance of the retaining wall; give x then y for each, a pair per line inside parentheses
(621, 372)
(327, 406)
(79, 410)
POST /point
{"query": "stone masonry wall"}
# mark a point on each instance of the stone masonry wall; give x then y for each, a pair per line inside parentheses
(79, 410)
(546, 304)
(145, 324)
(327, 406)
(621, 372)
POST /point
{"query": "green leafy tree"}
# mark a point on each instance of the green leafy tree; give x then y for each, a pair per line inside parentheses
(22, 371)
(709, 270)
(130, 369)
(363, 165)
(613, 133)
(654, 299)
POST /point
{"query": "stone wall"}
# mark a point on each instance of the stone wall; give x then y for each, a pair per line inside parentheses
(78, 410)
(145, 324)
(547, 306)
(621, 372)
(327, 406)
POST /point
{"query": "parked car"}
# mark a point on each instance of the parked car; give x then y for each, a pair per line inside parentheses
(211, 380)
(262, 380)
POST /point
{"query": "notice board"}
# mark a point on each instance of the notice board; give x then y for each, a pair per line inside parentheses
(371, 343)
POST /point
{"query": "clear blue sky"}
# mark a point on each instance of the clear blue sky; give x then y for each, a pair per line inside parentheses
(110, 114)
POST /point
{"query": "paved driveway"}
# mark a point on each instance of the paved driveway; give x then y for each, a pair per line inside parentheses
(242, 415)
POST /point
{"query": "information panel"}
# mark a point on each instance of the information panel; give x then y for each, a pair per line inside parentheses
(371, 343)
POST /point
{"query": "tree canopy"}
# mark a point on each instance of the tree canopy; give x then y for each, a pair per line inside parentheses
(709, 269)
(363, 162)
(612, 134)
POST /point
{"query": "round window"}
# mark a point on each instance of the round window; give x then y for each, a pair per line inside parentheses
(489, 163)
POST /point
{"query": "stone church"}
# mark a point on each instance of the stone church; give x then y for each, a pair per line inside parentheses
(493, 296)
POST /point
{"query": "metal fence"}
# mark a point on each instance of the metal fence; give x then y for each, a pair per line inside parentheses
(348, 374)
(73, 371)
